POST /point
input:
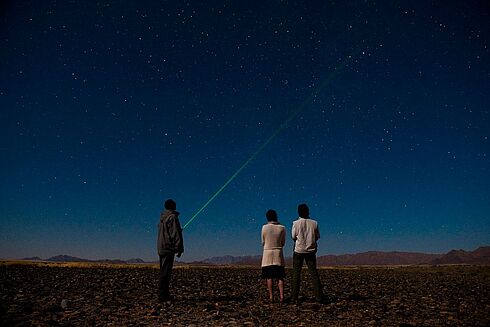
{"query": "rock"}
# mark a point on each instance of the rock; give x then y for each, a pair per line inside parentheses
(64, 304)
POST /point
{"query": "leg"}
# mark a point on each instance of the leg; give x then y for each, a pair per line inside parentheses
(297, 265)
(317, 286)
(280, 285)
(269, 288)
(166, 264)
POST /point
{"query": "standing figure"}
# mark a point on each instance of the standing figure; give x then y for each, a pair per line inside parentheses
(305, 234)
(273, 239)
(169, 243)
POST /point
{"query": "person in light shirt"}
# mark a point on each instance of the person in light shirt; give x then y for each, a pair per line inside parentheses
(273, 239)
(305, 234)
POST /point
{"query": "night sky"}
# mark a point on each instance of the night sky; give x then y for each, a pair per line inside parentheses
(110, 107)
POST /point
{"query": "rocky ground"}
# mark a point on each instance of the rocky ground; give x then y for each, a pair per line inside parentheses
(105, 295)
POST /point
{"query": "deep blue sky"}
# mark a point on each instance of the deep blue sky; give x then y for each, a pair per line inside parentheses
(108, 108)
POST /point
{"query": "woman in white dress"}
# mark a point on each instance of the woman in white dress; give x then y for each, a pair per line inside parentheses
(273, 239)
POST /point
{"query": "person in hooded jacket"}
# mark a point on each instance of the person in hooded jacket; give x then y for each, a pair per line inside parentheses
(169, 244)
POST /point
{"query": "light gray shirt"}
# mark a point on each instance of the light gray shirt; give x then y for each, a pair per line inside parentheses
(305, 233)
(273, 239)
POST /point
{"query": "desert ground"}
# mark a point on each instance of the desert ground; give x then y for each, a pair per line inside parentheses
(103, 295)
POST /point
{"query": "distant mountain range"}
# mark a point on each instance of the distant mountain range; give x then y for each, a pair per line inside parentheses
(377, 258)
(67, 258)
(480, 256)
(231, 260)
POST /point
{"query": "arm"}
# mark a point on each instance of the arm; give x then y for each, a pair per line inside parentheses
(317, 233)
(263, 236)
(177, 236)
(283, 237)
(294, 233)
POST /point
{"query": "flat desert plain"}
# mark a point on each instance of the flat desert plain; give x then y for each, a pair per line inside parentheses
(121, 295)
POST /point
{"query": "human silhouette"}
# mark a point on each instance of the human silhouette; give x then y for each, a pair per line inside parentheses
(273, 239)
(305, 234)
(169, 244)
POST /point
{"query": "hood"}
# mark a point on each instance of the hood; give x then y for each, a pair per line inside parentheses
(168, 213)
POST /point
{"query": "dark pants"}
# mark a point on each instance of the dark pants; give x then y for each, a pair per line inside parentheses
(310, 259)
(166, 264)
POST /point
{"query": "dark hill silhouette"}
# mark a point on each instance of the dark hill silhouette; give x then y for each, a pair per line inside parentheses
(231, 260)
(377, 258)
(479, 256)
(66, 258)
(365, 258)
(32, 259)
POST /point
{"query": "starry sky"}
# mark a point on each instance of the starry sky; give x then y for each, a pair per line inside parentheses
(380, 109)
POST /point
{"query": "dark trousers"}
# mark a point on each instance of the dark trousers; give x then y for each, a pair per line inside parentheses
(310, 259)
(166, 264)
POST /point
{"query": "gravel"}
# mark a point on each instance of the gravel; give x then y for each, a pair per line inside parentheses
(226, 296)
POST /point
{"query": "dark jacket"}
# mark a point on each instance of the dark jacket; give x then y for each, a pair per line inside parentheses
(169, 233)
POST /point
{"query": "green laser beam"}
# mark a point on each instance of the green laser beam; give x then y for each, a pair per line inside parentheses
(303, 105)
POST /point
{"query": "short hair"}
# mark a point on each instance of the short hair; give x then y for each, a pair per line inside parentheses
(303, 210)
(271, 215)
(170, 204)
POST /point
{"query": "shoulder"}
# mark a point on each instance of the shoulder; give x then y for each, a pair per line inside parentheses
(278, 226)
(174, 216)
(313, 222)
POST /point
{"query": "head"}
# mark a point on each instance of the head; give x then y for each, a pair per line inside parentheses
(303, 210)
(170, 204)
(271, 215)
